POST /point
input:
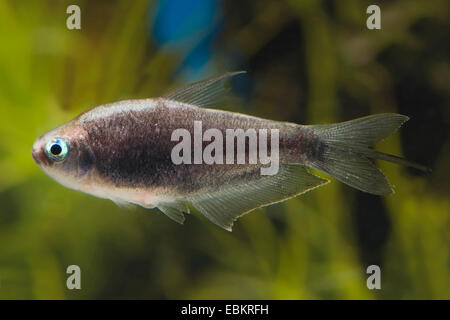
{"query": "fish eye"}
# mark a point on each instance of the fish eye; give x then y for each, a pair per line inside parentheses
(57, 149)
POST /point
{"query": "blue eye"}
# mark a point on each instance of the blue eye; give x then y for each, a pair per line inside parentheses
(57, 149)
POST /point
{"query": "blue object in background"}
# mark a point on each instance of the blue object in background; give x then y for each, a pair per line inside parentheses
(188, 28)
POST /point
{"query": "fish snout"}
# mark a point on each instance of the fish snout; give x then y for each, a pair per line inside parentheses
(38, 154)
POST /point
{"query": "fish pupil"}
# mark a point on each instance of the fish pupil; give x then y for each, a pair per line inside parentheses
(55, 149)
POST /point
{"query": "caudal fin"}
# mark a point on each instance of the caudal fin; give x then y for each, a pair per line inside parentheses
(348, 154)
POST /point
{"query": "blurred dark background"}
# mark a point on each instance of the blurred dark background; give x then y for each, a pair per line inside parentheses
(308, 62)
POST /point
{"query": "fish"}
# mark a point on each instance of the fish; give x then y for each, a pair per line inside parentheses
(128, 152)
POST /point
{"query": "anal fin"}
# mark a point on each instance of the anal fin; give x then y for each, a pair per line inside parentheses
(227, 203)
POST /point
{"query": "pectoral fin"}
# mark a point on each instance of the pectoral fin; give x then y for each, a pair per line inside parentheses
(224, 205)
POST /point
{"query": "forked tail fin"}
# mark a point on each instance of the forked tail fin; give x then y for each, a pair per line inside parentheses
(348, 155)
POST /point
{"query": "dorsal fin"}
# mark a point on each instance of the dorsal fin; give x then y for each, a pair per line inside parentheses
(205, 93)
